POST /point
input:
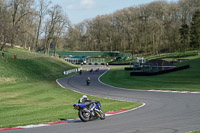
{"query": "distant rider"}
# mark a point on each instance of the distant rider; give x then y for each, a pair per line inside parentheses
(88, 81)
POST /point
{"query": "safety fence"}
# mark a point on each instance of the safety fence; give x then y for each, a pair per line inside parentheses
(159, 72)
(65, 54)
(71, 71)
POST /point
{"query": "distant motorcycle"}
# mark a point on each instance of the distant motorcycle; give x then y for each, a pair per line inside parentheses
(88, 81)
(80, 72)
(86, 114)
(97, 70)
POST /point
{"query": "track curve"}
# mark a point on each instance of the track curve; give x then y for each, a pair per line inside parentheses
(163, 113)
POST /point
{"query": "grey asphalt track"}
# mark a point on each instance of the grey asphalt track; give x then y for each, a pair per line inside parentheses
(163, 112)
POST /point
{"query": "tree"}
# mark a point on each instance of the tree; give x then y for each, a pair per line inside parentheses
(20, 9)
(43, 8)
(5, 26)
(60, 30)
(184, 35)
(195, 31)
(54, 27)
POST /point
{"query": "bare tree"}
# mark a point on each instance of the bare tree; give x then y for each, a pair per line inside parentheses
(54, 26)
(5, 26)
(20, 9)
(43, 8)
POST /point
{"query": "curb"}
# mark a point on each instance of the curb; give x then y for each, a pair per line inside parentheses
(6, 129)
(168, 91)
(123, 111)
(32, 126)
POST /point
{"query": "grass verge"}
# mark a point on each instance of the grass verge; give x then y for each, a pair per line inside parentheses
(185, 80)
(44, 101)
(195, 132)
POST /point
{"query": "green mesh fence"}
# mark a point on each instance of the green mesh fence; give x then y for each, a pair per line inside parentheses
(90, 53)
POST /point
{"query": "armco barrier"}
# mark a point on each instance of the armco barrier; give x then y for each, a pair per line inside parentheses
(110, 63)
(71, 71)
(159, 72)
(128, 68)
(131, 68)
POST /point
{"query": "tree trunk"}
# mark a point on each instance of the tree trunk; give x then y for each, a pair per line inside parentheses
(38, 33)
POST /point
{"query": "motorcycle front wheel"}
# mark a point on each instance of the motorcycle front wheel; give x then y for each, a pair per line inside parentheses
(102, 115)
(84, 116)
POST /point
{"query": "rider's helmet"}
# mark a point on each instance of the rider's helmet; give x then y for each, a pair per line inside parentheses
(83, 98)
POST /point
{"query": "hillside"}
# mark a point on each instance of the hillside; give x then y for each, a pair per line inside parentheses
(29, 93)
(28, 88)
(30, 66)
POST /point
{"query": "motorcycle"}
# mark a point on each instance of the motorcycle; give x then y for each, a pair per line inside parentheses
(97, 70)
(86, 114)
(80, 72)
(88, 81)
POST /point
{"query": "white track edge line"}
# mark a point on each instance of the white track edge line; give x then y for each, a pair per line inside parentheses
(162, 91)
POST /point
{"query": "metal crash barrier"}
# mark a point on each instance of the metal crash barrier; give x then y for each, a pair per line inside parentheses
(71, 71)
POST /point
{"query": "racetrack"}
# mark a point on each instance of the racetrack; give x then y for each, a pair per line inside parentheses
(163, 112)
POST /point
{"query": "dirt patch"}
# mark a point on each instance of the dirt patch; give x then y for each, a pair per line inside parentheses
(6, 80)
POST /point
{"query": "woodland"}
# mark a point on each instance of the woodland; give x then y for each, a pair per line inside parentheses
(149, 29)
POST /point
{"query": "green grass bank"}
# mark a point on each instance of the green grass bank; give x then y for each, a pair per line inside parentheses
(195, 132)
(29, 93)
(184, 80)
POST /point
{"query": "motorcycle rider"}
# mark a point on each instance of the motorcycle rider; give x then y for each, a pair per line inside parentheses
(88, 81)
(90, 103)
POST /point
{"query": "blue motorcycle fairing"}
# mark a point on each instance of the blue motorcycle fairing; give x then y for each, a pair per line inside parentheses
(99, 104)
(95, 106)
(81, 105)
